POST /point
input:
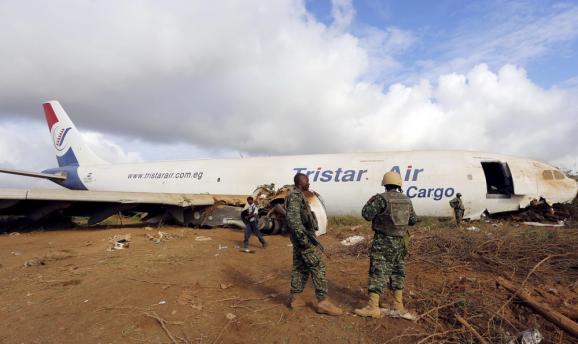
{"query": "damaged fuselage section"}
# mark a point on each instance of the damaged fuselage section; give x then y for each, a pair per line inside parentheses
(517, 184)
(191, 210)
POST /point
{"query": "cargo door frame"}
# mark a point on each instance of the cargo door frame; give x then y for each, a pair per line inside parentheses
(499, 182)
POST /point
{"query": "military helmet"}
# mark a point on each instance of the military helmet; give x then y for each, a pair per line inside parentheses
(391, 178)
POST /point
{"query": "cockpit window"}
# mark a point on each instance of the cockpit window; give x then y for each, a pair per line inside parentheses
(558, 174)
(547, 175)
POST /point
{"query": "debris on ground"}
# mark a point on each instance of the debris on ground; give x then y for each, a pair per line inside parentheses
(34, 262)
(120, 242)
(407, 315)
(539, 224)
(13, 234)
(230, 316)
(352, 240)
(473, 229)
(160, 237)
(531, 336)
(202, 238)
(358, 250)
(539, 211)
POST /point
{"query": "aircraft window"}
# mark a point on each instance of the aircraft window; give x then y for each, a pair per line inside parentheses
(547, 175)
(498, 178)
(558, 175)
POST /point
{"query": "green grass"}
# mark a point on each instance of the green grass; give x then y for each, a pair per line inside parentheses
(346, 220)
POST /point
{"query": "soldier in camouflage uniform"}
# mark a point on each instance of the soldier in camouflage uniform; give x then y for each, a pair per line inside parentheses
(307, 261)
(390, 212)
(458, 205)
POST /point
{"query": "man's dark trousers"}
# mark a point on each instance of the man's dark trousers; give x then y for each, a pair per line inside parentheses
(251, 228)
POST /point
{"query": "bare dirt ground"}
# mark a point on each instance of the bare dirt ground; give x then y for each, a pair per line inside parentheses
(186, 291)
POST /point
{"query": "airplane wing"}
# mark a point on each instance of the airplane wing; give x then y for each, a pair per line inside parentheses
(186, 209)
(53, 177)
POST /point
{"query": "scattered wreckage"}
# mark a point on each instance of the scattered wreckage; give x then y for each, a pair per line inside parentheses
(541, 214)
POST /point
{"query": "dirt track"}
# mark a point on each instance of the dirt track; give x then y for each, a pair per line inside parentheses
(86, 294)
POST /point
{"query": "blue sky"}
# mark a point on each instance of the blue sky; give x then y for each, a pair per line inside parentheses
(438, 28)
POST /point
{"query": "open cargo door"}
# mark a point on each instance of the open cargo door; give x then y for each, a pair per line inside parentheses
(498, 179)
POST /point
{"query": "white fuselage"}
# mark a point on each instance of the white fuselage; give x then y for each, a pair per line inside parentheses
(346, 181)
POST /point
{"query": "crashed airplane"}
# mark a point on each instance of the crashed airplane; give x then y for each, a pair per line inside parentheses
(209, 192)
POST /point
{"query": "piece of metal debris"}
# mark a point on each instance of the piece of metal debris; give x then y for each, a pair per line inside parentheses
(352, 240)
(405, 314)
(531, 336)
(203, 238)
(120, 242)
(540, 224)
(34, 262)
(157, 239)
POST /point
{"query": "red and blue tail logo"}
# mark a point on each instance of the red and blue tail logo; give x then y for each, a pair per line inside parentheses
(60, 137)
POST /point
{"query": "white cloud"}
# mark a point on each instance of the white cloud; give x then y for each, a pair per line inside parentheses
(256, 77)
(383, 46)
(111, 151)
(343, 13)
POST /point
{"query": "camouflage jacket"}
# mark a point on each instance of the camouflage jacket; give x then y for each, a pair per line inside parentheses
(300, 218)
(457, 204)
(376, 206)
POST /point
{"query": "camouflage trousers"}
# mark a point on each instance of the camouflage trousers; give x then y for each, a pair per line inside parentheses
(459, 214)
(308, 262)
(386, 267)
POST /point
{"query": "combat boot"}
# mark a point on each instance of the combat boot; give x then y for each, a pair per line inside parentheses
(372, 308)
(398, 300)
(326, 307)
(296, 301)
(399, 310)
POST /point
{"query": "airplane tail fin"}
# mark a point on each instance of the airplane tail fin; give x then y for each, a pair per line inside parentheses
(71, 150)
